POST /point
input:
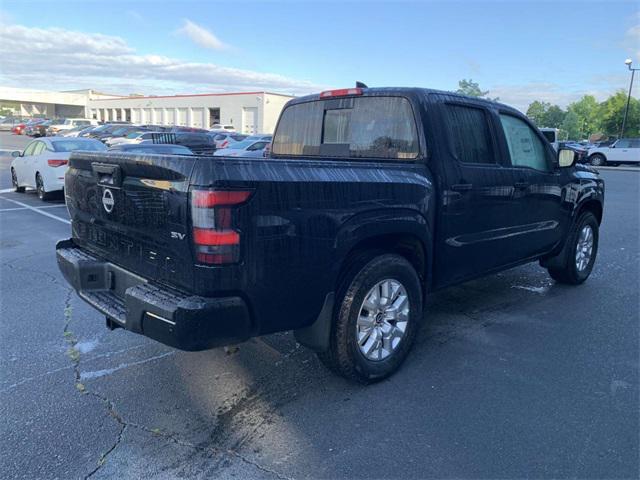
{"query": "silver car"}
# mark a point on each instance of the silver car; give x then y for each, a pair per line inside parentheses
(227, 139)
(251, 147)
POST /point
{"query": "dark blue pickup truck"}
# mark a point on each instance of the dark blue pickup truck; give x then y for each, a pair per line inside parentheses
(371, 199)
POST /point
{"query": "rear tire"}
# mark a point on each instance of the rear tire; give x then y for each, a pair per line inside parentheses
(14, 181)
(579, 253)
(42, 195)
(376, 320)
(597, 160)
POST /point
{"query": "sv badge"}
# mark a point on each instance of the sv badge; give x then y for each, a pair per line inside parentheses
(178, 235)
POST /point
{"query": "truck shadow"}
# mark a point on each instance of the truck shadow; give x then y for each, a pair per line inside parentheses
(266, 385)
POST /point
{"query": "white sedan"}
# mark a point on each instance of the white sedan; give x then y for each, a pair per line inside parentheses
(43, 163)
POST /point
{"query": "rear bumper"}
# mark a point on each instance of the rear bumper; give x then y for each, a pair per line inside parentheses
(177, 319)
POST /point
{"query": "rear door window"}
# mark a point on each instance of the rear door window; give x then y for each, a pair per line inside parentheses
(39, 148)
(365, 127)
(470, 135)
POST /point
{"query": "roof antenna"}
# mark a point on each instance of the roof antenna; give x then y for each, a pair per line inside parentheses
(360, 85)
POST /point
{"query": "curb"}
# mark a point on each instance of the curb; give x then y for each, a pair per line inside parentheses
(619, 169)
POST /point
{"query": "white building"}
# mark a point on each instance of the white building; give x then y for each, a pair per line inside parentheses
(25, 102)
(248, 112)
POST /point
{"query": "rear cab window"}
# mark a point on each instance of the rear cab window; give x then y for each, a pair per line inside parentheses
(368, 127)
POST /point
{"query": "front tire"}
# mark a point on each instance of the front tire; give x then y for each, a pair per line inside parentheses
(42, 194)
(14, 181)
(597, 160)
(579, 253)
(376, 320)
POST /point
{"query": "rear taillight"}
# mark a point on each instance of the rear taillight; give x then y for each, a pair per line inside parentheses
(54, 162)
(215, 237)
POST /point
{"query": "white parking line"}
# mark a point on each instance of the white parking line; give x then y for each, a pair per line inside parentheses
(46, 214)
(23, 208)
(7, 190)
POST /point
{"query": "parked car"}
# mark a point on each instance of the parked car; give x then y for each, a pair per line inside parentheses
(176, 129)
(217, 127)
(227, 139)
(146, 148)
(260, 136)
(94, 130)
(198, 143)
(7, 123)
(136, 136)
(70, 123)
(120, 132)
(31, 126)
(77, 131)
(156, 128)
(106, 130)
(576, 147)
(361, 211)
(247, 148)
(43, 163)
(40, 130)
(624, 150)
(18, 128)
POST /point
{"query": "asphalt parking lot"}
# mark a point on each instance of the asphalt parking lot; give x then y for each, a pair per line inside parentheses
(512, 376)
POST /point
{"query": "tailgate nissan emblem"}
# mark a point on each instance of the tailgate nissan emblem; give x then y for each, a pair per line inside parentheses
(107, 200)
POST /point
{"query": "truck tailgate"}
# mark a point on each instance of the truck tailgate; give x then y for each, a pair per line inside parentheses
(133, 210)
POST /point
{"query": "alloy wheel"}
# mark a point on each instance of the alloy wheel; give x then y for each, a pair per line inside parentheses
(584, 248)
(382, 320)
(39, 187)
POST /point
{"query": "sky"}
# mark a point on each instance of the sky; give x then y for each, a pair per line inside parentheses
(520, 51)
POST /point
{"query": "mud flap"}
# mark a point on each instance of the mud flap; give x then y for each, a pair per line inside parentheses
(316, 336)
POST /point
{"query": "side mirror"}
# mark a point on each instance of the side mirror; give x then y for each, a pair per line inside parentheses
(566, 158)
(16, 153)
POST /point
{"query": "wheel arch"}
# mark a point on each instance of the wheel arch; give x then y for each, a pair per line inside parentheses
(591, 205)
(405, 244)
(411, 240)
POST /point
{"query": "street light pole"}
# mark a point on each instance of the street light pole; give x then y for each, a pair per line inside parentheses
(628, 62)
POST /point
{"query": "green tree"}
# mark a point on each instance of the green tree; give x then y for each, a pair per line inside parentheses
(537, 111)
(553, 117)
(611, 111)
(472, 89)
(572, 126)
(587, 111)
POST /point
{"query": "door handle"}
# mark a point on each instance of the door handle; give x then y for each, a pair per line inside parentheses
(461, 187)
(521, 185)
